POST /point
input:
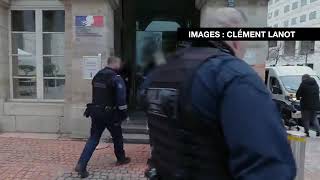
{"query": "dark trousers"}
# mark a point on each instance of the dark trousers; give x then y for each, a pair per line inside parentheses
(309, 116)
(97, 127)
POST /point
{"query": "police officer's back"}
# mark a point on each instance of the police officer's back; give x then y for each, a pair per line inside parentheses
(211, 117)
(107, 110)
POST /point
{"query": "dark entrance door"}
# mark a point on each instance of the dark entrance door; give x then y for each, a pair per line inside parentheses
(149, 27)
(152, 45)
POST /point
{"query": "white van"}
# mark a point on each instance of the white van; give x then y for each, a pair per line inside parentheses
(284, 81)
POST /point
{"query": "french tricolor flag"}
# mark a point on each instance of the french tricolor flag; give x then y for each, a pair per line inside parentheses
(89, 21)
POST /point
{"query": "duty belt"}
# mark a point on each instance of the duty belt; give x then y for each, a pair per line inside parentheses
(107, 108)
(121, 108)
(110, 108)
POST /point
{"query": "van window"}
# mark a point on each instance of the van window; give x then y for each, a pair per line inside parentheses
(292, 83)
(274, 83)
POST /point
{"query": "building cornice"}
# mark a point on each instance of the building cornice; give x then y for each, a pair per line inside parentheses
(114, 3)
(4, 3)
(201, 3)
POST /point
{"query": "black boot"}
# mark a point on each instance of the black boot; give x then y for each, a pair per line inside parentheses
(318, 134)
(151, 173)
(123, 161)
(81, 171)
(307, 134)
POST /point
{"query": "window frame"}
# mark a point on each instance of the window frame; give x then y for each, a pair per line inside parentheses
(303, 18)
(293, 21)
(287, 52)
(231, 3)
(286, 8)
(312, 13)
(302, 47)
(272, 44)
(302, 4)
(38, 56)
(293, 7)
(270, 2)
(276, 13)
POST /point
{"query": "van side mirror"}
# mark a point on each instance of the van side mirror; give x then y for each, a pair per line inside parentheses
(276, 90)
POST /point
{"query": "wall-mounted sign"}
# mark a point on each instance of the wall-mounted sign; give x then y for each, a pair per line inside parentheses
(89, 21)
(90, 66)
(89, 25)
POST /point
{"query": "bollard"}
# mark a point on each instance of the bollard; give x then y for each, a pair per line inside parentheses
(298, 145)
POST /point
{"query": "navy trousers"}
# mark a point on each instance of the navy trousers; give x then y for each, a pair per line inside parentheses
(309, 116)
(98, 125)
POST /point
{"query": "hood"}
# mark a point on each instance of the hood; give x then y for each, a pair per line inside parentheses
(310, 82)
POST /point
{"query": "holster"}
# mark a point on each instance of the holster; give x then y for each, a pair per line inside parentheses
(88, 110)
(91, 109)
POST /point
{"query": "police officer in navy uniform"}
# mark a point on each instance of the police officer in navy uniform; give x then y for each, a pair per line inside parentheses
(107, 110)
(211, 117)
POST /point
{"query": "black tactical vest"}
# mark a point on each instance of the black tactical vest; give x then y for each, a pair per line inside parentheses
(103, 90)
(183, 147)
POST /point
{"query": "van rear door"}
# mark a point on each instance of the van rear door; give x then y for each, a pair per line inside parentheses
(266, 78)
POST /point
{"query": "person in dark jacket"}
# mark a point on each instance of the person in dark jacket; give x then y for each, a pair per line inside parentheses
(308, 94)
(234, 130)
(107, 110)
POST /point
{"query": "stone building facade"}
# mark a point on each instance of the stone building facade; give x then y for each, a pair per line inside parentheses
(294, 13)
(42, 84)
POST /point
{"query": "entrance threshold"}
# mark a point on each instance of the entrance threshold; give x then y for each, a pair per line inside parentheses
(135, 131)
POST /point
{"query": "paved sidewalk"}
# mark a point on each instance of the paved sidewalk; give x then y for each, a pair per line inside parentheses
(312, 161)
(41, 159)
(45, 159)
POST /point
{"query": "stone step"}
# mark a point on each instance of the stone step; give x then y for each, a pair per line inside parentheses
(134, 139)
(134, 129)
(135, 133)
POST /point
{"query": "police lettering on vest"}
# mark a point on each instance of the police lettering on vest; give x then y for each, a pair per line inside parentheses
(103, 92)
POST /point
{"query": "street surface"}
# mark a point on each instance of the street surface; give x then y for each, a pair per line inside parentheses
(40, 159)
(312, 161)
(47, 159)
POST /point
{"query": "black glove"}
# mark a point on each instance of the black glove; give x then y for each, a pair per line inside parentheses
(87, 111)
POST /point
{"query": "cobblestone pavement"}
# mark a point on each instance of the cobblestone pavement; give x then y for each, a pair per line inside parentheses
(36, 159)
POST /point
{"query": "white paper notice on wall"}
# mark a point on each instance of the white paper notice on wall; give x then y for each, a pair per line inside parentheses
(90, 66)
